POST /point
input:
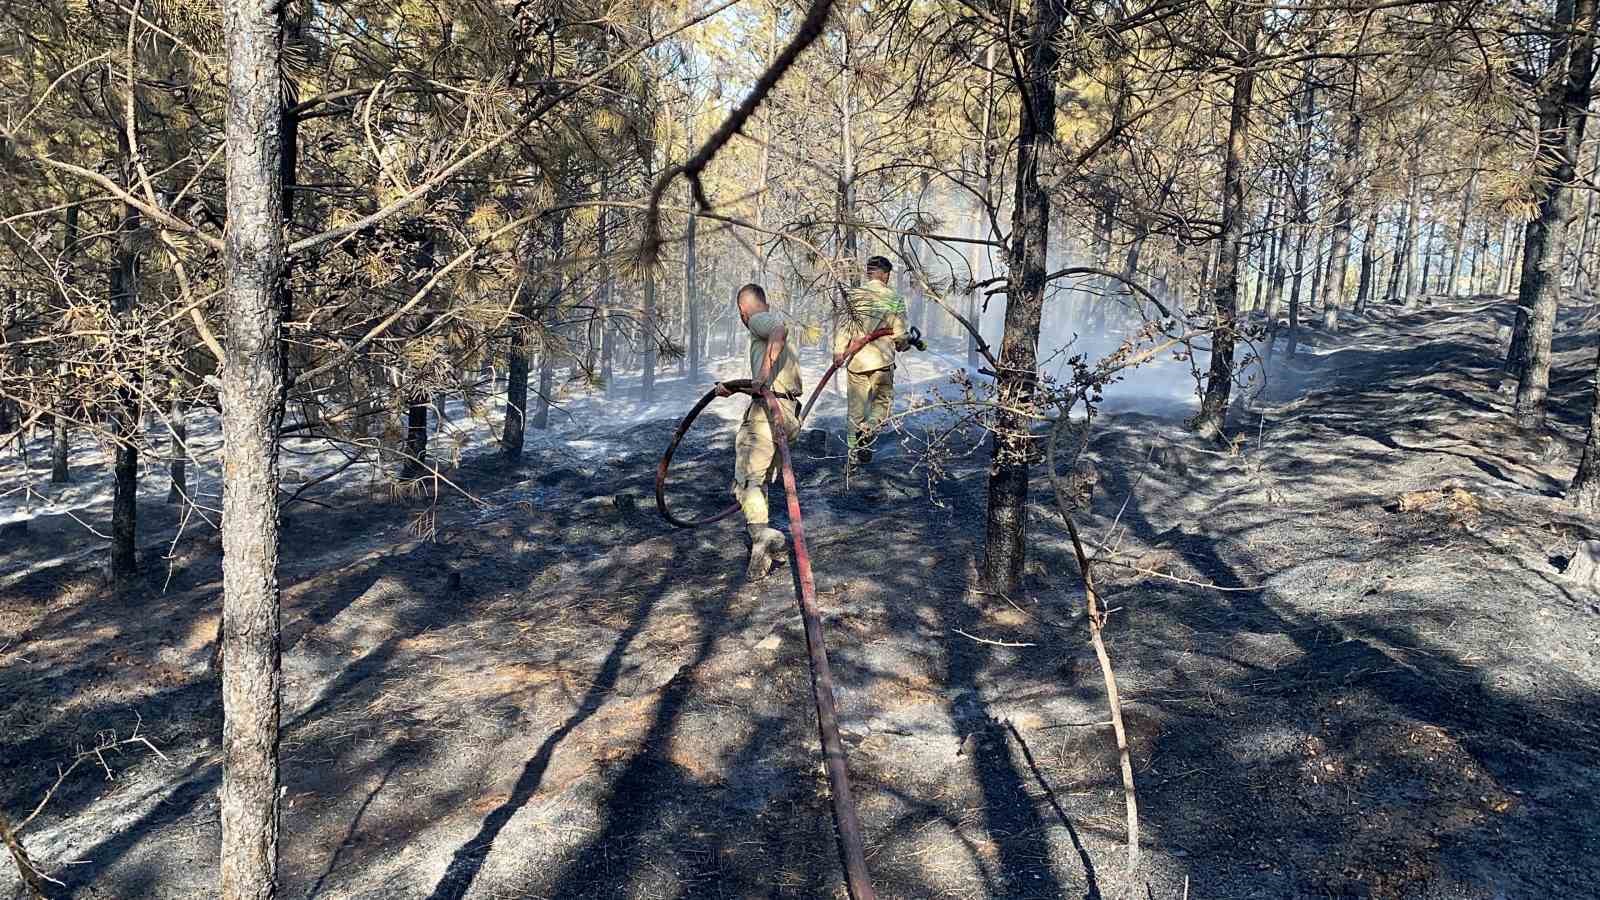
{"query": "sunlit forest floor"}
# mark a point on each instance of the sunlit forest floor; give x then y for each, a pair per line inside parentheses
(1337, 683)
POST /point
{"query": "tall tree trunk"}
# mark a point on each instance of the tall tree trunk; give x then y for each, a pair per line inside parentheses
(415, 464)
(1275, 282)
(1427, 256)
(608, 282)
(1407, 260)
(1301, 239)
(758, 266)
(647, 337)
(60, 433)
(1502, 263)
(547, 356)
(1453, 274)
(252, 397)
(178, 491)
(1005, 540)
(1478, 268)
(1339, 252)
(691, 295)
(1369, 260)
(1562, 113)
(1319, 268)
(125, 450)
(1404, 241)
(1209, 422)
(516, 421)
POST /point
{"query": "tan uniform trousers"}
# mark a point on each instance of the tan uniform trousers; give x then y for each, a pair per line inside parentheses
(868, 400)
(755, 456)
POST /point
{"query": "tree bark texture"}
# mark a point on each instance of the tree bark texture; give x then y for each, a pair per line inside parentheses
(178, 490)
(1219, 380)
(1344, 212)
(1562, 113)
(1011, 444)
(516, 421)
(1369, 261)
(1453, 274)
(252, 412)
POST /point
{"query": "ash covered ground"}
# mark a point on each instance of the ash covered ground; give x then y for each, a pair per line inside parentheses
(1349, 663)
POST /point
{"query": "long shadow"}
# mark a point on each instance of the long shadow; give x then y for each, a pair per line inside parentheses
(468, 859)
(1490, 727)
(350, 830)
(202, 781)
(649, 780)
(1093, 886)
(1010, 815)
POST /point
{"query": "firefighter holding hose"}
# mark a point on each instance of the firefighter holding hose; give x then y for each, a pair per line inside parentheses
(870, 393)
(773, 365)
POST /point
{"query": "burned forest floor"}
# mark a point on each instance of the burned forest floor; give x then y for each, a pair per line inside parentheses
(1350, 665)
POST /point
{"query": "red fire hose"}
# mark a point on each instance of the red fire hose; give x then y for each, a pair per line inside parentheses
(852, 847)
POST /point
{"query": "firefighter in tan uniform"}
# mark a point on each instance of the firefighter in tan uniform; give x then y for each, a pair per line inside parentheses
(772, 364)
(870, 391)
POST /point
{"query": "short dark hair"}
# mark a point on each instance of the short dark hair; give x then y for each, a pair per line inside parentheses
(881, 263)
(754, 290)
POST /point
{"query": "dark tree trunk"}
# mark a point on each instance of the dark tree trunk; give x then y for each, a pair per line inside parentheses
(415, 464)
(1301, 240)
(125, 497)
(125, 451)
(1585, 489)
(547, 356)
(691, 296)
(607, 290)
(1005, 541)
(647, 338)
(60, 431)
(1210, 421)
(514, 428)
(1562, 112)
(252, 413)
(1369, 256)
(178, 491)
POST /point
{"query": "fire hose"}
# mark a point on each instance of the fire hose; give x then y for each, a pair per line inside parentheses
(852, 848)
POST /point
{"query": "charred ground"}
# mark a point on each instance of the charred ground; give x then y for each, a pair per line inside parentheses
(1337, 683)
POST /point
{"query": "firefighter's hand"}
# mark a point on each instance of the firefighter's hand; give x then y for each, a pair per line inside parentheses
(758, 386)
(902, 344)
(722, 390)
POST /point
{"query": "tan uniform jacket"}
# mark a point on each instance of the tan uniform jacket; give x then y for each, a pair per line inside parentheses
(786, 368)
(870, 307)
